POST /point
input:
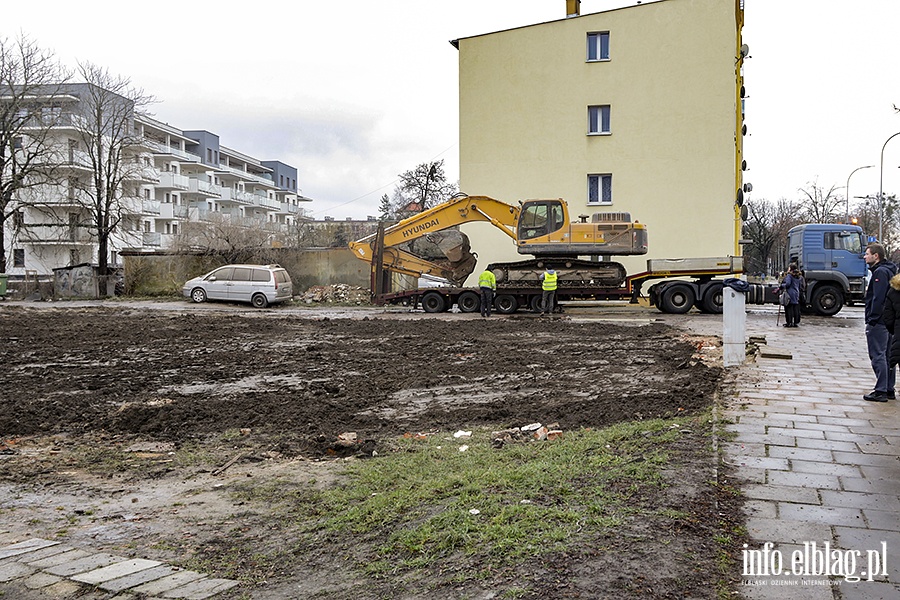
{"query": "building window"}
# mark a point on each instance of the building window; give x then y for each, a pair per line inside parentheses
(18, 219)
(114, 258)
(19, 258)
(598, 119)
(598, 46)
(599, 189)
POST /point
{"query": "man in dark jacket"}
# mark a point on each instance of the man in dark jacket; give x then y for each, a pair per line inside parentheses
(878, 338)
(891, 319)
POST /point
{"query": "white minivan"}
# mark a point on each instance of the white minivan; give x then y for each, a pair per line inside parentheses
(260, 285)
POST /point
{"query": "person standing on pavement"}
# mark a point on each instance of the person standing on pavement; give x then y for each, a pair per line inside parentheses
(802, 295)
(548, 285)
(791, 286)
(487, 283)
(891, 320)
(878, 337)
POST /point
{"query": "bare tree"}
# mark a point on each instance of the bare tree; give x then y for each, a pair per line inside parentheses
(233, 241)
(767, 226)
(421, 188)
(111, 145)
(867, 215)
(819, 205)
(31, 96)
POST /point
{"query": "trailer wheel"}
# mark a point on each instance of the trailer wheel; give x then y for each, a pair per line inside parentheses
(713, 300)
(433, 302)
(677, 299)
(827, 300)
(469, 302)
(506, 304)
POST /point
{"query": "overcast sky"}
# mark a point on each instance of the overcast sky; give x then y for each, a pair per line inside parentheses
(355, 92)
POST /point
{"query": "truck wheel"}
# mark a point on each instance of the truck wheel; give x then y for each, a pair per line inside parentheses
(433, 302)
(677, 299)
(712, 300)
(827, 300)
(469, 302)
(506, 304)
(535, 303)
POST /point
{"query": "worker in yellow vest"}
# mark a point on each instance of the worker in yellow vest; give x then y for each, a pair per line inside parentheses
(488, 283)
(548, 285)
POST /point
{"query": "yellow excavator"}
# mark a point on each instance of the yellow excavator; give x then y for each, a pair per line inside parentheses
(540, 228)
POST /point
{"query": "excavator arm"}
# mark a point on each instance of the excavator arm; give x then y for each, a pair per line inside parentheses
(467, 209)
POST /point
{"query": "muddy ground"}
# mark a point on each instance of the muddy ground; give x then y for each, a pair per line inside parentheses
(98, 400)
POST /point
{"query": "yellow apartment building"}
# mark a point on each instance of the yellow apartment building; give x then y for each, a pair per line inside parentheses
(637, 110)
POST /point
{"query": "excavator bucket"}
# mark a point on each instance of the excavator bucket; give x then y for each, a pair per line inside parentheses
(450, 249)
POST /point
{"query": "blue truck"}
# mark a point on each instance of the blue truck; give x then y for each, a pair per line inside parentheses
(830, 255)
(831, 258)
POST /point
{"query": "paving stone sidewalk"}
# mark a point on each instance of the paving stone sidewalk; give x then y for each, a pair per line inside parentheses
(38, 568)
(820, 465)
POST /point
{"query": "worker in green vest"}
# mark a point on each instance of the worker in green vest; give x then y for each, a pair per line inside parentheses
(548, 285)
(488, 283)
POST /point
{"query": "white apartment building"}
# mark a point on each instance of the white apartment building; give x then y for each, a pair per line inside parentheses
(183, 176)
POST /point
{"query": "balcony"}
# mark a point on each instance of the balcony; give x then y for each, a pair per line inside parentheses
(167, 210)
(229, 170)
(151, 207)
(131, 205)
(46, 234)
(61, 196)
(232, 195)
(161, 149)
(266, 202)
(75, 160)
(173, 181)
(145, 175)
(203, 188)
(152, 239)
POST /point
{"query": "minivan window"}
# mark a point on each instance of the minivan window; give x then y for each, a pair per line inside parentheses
(222, 274)
(241, 274)
(281, 277)
(260, 275)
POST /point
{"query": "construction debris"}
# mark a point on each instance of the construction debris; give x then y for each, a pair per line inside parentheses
(339, 293)
(526, 433)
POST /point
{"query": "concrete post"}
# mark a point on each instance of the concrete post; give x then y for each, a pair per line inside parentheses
(734, 327)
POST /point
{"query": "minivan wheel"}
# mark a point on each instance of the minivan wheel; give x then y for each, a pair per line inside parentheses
(198, 295)
(259, 301)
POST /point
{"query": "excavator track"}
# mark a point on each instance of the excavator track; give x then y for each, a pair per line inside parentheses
(572, 272)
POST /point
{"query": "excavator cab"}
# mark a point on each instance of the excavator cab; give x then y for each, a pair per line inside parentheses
(541, 217)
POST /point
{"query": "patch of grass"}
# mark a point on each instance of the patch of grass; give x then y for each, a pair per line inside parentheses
(427, 503)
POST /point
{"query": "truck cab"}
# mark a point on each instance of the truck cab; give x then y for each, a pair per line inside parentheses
(831, 259)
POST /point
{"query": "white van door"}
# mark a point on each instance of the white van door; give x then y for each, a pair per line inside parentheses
(241, 287)
(217, 283)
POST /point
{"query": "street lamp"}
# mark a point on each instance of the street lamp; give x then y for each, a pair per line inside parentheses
(847, 189)
(881, 189)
